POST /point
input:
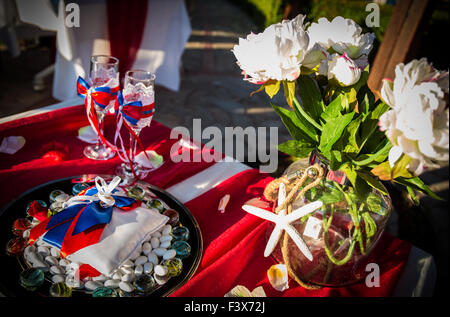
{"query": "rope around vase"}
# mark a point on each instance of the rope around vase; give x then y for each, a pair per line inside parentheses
(292, 188)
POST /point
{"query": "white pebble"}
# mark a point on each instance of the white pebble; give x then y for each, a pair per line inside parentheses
(58, 278)
(74, 266)
(165, 244)
(36, 260)
(117, 276)
(146, 248)
(139, 269)
(160, 270)
(55, 252)
(64, 263)
(160, 279)
(170, 254)
(93, 285)
(127, 270)
(155, 242)
(126, 287)
(29, 248)
(156, 235)
(165, 238)
(57, 270)
(153, 258)
(148, 267)
(128, 277)
(167, 229)
(51, 260)
(44, 251)
(159, 251)
(128, 263)
(100, 278)
(40, 242)
(141, 260)
(112, 283)
(26, 234)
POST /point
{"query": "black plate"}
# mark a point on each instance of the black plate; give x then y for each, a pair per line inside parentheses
(12, 266)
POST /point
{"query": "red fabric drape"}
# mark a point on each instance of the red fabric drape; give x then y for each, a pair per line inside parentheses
(126, 23)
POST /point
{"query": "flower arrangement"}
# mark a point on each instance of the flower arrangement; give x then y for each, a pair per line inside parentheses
(393, 138)
(339, 119)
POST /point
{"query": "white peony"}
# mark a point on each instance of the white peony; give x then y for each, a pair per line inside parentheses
(343, 69)
(418, 123)
(277, 53)
(343, 36)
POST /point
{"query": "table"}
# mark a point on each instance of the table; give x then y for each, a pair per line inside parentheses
(233, 241)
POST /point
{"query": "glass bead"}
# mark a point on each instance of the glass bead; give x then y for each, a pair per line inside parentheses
(60, 290)
(136, 192)
(31, 279)
(40, 202)
(144, 284)
(20, 225)
(174, 266)
(16, 246)
(180, 233)
(182, 248)
(55, 193)
(174, 217)
(156, 204)
(105, 292)
(77, 188)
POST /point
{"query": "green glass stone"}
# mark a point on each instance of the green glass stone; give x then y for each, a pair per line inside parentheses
(174, 217)
(144, 284)
(180, 233)
(155, 204)
(136, 192)
(55, 194)
(77, 188)
(174, 266)
(31, 279)
(60, 290)
(182, 248)
(105, 292)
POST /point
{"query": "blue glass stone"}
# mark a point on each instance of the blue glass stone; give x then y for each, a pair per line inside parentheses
(180, 233)
(174, 266)
(60, 290)
(155, 204)
(182, 248)
(136, 192)
(105, 292)
(55, 194)
(144, 284)
(31, 279)
(77, 188)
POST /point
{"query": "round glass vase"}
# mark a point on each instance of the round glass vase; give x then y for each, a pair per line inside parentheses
(340, 252)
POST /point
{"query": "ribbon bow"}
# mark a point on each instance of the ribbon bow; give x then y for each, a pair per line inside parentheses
(84, 217)
(100, 96)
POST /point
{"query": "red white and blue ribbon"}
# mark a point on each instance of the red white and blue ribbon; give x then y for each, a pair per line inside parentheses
(100, 96)
(82, 222)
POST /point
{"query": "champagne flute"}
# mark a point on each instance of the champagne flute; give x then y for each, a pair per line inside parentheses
(104, 72)
(139, 85)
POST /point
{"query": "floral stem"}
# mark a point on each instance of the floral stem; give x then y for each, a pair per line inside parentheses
(305, 115)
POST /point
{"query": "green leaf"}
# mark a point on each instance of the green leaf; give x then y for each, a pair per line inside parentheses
(333, 110)
(297, 128)
(336, 160)
(379, 156)
(373, 182)
(359, 184)
(370, 134)
(417, 184)
(366, 100)
(310, 97)
(375, 204)
(332, 131)
(296, 148)
(272, 87)
(289, 92)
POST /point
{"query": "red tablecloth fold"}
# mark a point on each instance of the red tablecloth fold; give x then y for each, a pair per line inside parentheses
(234, 241)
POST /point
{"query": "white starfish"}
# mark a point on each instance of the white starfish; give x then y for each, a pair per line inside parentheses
(283, 222)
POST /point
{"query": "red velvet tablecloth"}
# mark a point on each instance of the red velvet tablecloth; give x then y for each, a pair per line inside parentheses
(234, 241)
